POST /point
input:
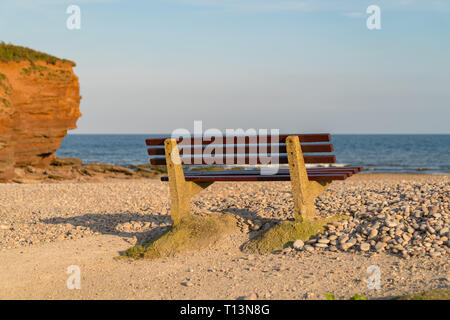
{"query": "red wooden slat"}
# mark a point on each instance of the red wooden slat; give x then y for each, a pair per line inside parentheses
(312, 177)
(258, 172)
(245, 149)
(245, 159)
(313, 137)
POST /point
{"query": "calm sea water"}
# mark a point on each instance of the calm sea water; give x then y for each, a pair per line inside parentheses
(378, 153)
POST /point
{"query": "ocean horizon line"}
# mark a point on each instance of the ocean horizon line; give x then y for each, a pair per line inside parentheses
(402, 153)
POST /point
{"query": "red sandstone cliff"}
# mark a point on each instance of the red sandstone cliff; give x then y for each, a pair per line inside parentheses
(39, 102)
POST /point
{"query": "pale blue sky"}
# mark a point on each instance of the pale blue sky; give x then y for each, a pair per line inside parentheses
(297, 65)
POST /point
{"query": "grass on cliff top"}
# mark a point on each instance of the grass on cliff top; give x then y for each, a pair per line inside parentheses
(192, 233)
(285, 233)
(9, 52)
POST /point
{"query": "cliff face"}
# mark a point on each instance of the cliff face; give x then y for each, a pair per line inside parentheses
(39, 102)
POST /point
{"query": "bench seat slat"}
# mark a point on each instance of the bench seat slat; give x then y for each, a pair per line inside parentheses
(246, 149)
(313, 137)
(284, 177)
(244, 159)
(281, 171)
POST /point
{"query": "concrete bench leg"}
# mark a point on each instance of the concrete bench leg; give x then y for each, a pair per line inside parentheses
(181, 191)
(304, 191)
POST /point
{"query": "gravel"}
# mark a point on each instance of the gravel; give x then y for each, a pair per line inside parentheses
(298, 244)
(405, 215)
(410, 218)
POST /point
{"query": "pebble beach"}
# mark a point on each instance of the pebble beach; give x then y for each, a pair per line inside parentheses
(402, 218)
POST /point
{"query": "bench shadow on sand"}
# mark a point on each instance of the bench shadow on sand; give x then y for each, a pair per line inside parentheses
(107, 224)
(248, 215)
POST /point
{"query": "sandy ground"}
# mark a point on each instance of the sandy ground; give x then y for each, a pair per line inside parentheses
(46, 228)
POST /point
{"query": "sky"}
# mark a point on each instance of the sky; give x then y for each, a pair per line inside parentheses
(293, 65)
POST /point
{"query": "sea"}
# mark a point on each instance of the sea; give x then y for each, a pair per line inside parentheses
(393, 153)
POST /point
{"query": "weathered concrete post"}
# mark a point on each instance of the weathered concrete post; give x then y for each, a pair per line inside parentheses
(179, 197)
(181, 191)
(304, 191)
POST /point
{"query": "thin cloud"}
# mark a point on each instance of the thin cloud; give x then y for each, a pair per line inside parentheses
(355, 15)
(249, 5)
(350, 8)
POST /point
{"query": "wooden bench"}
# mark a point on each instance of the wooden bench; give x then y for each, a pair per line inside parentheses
(307, 183)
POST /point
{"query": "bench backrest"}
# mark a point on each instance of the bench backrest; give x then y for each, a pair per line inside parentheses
(240, 150)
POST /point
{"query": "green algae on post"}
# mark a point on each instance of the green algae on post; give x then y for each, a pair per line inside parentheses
(191, 233)
(285, 233)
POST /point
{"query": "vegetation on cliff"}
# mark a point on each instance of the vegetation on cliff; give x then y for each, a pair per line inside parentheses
(9, 52)
(4, 90)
